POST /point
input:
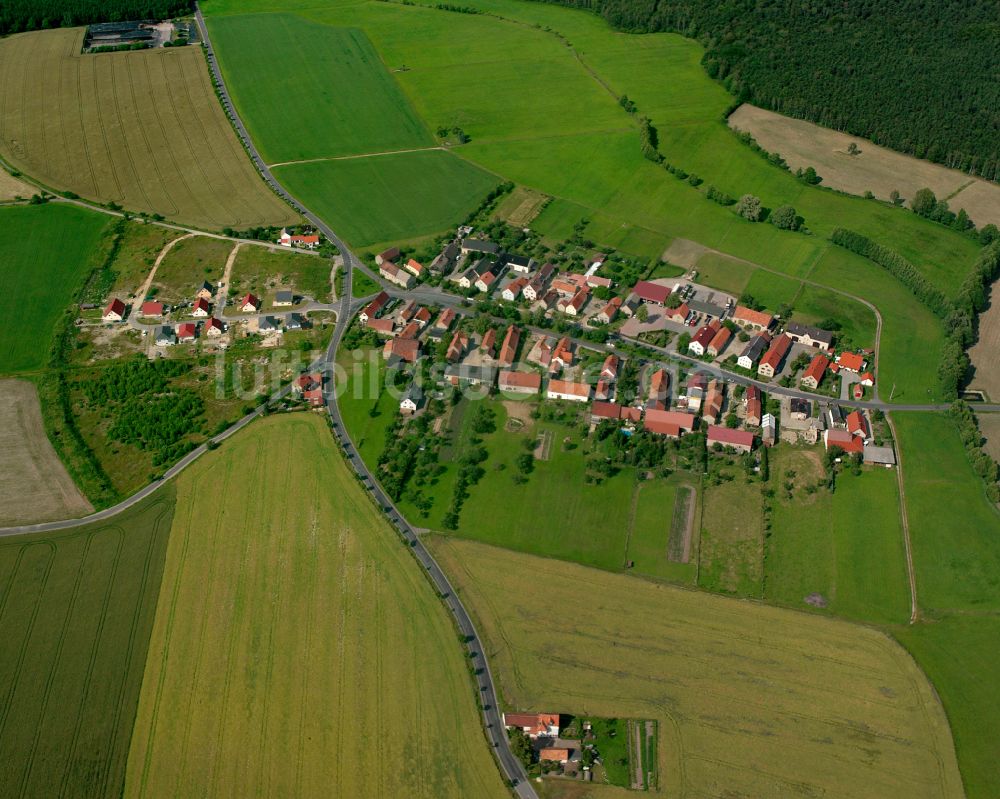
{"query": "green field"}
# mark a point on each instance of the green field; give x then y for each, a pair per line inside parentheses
(261, 270)
(731, 553)
(143, 129)
(343, 101)
(188, 264)
(297, 649)
(751, 700)
(846, 546)
(43, 261)
(389, 197)
(76, 611)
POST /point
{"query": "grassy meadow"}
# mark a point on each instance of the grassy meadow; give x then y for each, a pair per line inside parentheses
(751, 700)
(76, 612)
(143, 129)
(42, 265)
(294, 641)
(261, 270)
(188, 264)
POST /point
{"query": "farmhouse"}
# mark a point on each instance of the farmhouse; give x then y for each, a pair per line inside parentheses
(719, 342)
(867, 379)
(652, 293)
(474, 272)
(631, 305)
(459, 344)
(201, 307)
(659, 384)
(520, 382)
(857, 424)
(753, 351)
(284, 298)
(600, 411)
(513, 289)
(850, 362)
(536, 286)
(415, 268)
(814, 373)
(374, 308)
(467, 375)
(394, 274)
(406, 313)
(608, 313)
(412, 399)
(308, 240)
(486, 281)
(574, 306)
(479, 246)
(810, 336)
(841, 438)
(562, 355)
(406, 349)
(568, 390)
(554, 754)
(387, 256)
(546, 301)
(680, 314)
(422, 317)
(770, 365)
(566, 288)
(382, 327)
(755, 320)
(214, 327)
(521, 264)
(250, 303)
(152, 309)
(508, 349)
(712, 406)
(488, 343)
(740, 440)
(412, 330)
(672, 424)
(704, 337)
(533, 724)
(114, 311)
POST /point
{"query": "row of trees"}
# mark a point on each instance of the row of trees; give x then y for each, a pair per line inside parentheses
(27, 15)
(972, 439)
(914, 75)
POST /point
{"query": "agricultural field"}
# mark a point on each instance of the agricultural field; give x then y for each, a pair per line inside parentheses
(389, 198)
(41, 270)
(985, 353)
(989, 425)
(34, 484)
(291, 650)
(841, 551)
(521, 206)
(11, 188)
(875, 169)
(143, 129)
(263, 271)
(830, 707)
(731, 554)
(75, 619)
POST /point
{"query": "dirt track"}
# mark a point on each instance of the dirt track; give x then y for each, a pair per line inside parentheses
(34, 485)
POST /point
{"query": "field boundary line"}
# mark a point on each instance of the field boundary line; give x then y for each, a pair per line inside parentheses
(323, 158)
(904, 517)
(637, 488)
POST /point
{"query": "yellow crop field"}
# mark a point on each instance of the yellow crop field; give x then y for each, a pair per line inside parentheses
(297, 649)
(143, 129)
(751, 700)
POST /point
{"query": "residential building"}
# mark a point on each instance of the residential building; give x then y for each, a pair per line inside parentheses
(659, 386)
(459, 344)
(536, 287)
(718, 343)
(867, 379)
(521, 264)
(600, 411)
(562, 355)
(114, 311)
(630, 305)
(411, 330)
(809, 335)
(651, 293)
(164, 336)
(187, 331)
(768, 429)
(607, 314)
(422, 317)
(445, 260)
(603, 389)
(546, 302)
(214, 327)
(415, 268)
(799, 408)
(857, 425)
(770, 364)
(284, 298)
(249, 303)
(461, 374)
(374, 308)
(268, 324)
(753, 414)
(841, 438)
(206, 292)
(575, 305)
(533, 725)
(554, 754)
(753, 350)
(679, 314)
(568, 390)
(672, 424)
(609, 371)
(711, 408)
(755, 320)
(152, 309)
(851, 362)
(382, 327)
(740, 440)
(486, 281)
(479, 247)
(201, 308)
(387, 256)
(488, 344)
(309, 241)
(513, 289)
(703, 338)
(401, 349)
(520, 382)
(406, 313)
(445, 319)
(814, 372)
(394, 274)
(473, 273)
(508, 350)
(412, 400)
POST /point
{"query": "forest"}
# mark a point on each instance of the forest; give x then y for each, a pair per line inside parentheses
(27, 15)
(918, 76)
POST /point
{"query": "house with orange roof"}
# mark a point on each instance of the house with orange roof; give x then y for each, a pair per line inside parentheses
(719, 342)
(843, 439)
(568, 390)
(609, 312)
(533, 724)
(770, 364)
(508, 350)
(382, 327)
(755, 320)
(740, 440)
(515, 382)
(609, 371)
(672, 424)
(403, 349)
(814, 373)
(679, 314)
(850, 362)
(489, 343)
(562, 355)
(513, 289)
(415, 268)
(459, 344)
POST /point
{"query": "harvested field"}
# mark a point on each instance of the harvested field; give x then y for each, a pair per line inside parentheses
(297, 648)
(11, 188)
(34, 485)
(876, 169)
(750, 700)
(521, 206)
(143, 129)
(989, 425)
(681, 526)
(985, 353)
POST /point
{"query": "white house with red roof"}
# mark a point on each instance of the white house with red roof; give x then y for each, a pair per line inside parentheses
(201, 308)
(533, 724)
(114, 311)
(740, 440)
(568, 390)
(250, 303)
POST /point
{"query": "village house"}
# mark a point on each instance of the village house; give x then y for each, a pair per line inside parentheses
(415, 268)
(755, 320)
(486, 281)
(310, 387)
(469, 277)
(609, 371)
(187, 331)
(114, 311)
(488, 344)
(406, 312)
(651, 293)
(534, 725)
(857, 425)
(479, 247)
(740, 440)
(394, 274)
(445, 320)
(387, 256)
(851, 445)
(412, 400)
(554, 754)
(214, 327)
(150, 308)
(445, 260)
(459, 344)
(598, 282)
(851, 362)
(284, 298)
(520, 382)
(603, 389)
(374, 308)
(206, 292)
(401, 349)
(268, 324)
(201, 308)
(422, 317)
(867, 379)
(513, 289)
(565, 288)
(309, 241)
(768, 429)
(679, 314)
(753, 350)
(770, 364)
(521, 264)
(630, 305)
(659, 387)
(814, 373)
(164, 336)
(809, 336)
(607, 314)
(672, 424)
(250, 303)
(536, 287)
(575, 305)
(562, 355)
(462, 374)
(601, 411)
(753, 407)
(694, 391)
(508, 350)
(382, 327)
(295, 321)
(546, 302)
(718, 343)
(711, 408)
(703, 338)
(568, 390)
(411, 330)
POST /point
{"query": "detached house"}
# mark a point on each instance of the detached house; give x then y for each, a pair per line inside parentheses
(754, 350)
(488, 344)
(513, 289)
(446, 259)
(520, 382)
(810, 336)
(187, 331)
(401, 349)
(719, 342)
(249, 303)
(521, 264)
(575, 305)
(508, 349)
(814, 373)
(568, 390)
(770, 364)
(284, 298)
(608, 313)
(394, 274)
(308, 240)
(206, 292)
(114, 311)
(609, 371)
(201, 307)
(164, 336)
(415, 268)
(152, 309)
(680, 314)
(374, 308)
(214, 327)
(459, 344)
(703, 338)
(843, 439)
(562, 355)
(412, 399)
(533, 724)
(659, 385)
(851, 362)
(387, 256)
(445, 320)
(754, 320)
(712, 406)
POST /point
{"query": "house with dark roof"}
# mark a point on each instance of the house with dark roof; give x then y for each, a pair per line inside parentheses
(479, 247)
(754, 350)
(809, 336)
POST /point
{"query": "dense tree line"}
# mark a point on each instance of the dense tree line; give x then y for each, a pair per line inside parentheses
(918, 76)
(972, 439)
(27, 15)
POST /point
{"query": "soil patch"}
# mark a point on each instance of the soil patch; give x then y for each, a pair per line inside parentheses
(543, 449)
(989, 426)
(681, 526)
(816, 600)
(34, 484)
(519, 412)
(11, 188)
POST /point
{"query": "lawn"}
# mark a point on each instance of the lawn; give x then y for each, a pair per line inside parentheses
(362, 285)
(75, 620)
(138, 248)
(731, 552)
(293, 644)
(41, 270)
(751, 700)
(389, 197)
(654, 505)
(847, 547)
(261, 270)
(954, 529)
(343, 100)
(367, 409)
(143, 129)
